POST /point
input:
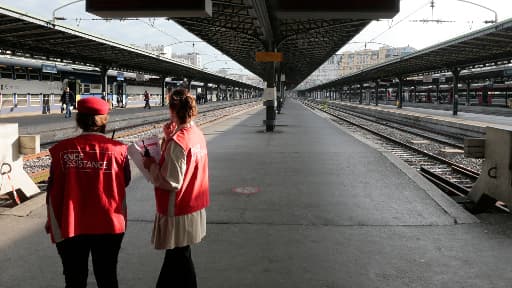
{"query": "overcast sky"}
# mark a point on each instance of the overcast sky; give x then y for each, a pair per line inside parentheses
(404, 29)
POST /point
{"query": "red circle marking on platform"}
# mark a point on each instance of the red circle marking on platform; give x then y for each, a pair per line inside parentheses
(246, 190)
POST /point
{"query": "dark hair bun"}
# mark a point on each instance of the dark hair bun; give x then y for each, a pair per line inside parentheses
(183, 104)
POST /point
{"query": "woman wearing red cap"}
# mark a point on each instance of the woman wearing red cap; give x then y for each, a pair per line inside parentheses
(181, 191)
(86, 204)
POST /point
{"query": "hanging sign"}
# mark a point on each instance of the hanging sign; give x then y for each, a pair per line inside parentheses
(49, 68)
(269, 57)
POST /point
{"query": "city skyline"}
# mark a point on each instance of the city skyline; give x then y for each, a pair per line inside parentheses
(348, 62)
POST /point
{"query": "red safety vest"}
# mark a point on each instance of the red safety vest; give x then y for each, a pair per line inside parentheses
(88, 193)
(193, 195)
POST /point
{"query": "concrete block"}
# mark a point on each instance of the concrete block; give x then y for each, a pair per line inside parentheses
(29, 144)
(496, 174)
(9, 151)
(474, 147)
(474, 142)
(10, 157)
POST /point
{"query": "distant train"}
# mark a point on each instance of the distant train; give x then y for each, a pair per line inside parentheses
(482, 94)
(28, 82)
(23, 81)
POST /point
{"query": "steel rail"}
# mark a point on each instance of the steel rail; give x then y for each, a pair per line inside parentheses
(464, 170)
(448, 185)
(42, 175)
(448, 143)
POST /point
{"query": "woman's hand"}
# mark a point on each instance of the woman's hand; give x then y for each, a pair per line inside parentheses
(148, 161)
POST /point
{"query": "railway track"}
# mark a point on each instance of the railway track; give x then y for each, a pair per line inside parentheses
(37, 165)
(119, 125)
(438, 158)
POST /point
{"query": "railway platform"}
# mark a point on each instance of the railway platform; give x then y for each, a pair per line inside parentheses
(50, 126)
(479, 115)
(20, 112)
(496, 116)
(308, 205)
(54, 126)
(36, 110)
(469, 124)
(474, 109)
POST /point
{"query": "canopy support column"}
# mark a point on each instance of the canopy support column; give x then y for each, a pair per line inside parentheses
(468, 87)
(361, 93)
(438, 99)
(104, 81)
(377, 93)
(455, 100)
(204, 99)
(400, 93)
(162, 97)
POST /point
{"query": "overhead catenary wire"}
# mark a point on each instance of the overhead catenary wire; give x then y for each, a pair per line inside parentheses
(151, 22)
(153, 26)
(425, 4)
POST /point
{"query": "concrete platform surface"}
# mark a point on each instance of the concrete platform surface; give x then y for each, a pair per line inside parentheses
(37, 110)
(329, 211)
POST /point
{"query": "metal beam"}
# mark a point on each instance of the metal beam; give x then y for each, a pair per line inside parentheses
(261, 13)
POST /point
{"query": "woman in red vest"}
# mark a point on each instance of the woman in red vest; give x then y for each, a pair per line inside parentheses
(180, 178)
(86, 198)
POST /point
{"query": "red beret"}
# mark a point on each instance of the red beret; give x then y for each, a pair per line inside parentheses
(93, 105)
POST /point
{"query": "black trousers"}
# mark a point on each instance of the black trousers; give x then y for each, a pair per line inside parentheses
(74, 253)
(178, 269)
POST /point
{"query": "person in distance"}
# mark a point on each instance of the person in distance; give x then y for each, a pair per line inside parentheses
(146, 100)
(67, 99)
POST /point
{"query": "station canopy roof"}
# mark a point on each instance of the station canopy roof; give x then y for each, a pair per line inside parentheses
(27, 36)
(489, 46)
(306, 32)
